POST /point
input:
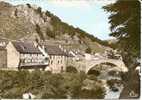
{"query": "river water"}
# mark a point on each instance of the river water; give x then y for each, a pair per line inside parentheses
(109, 93)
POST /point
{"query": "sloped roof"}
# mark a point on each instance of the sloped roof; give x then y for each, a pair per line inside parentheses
(54, 50)
(25, 47)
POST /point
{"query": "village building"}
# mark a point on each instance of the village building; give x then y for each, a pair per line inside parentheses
(32, 55)
(57, 58)
(25, 55)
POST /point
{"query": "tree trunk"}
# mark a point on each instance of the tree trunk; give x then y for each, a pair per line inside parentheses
(132, 82)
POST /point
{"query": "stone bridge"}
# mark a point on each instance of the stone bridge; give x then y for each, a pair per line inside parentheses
(119, 64)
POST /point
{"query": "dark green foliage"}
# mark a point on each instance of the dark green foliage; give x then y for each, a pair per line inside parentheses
(39, 11)
(111, 82)
(71, 69)
(28, 5)
(92, 77)
(126, 13)
(93, 72)
(50, 33)
(64, 28)
(125, 20)
(88, 50)
(93, 93)
(114, 73)
(38, 30)
(44, 85)
(48, 13)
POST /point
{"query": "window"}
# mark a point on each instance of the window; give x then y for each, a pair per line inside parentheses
(58, 61)
(51, 62)
(46, 59)
(62, 69)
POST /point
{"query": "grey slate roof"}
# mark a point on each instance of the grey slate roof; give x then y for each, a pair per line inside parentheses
(54, 50)
(26, 47)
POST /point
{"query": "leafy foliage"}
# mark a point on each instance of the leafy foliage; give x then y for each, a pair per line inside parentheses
(43, 84)
(94, 72)
(125, 24)
(88, 50)
(71, 69)
(112, 82)
(60, 27)
(50, 33)
(38, 30)
(95, 94)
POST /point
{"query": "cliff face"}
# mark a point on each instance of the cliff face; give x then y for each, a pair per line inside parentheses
(20, 21)
(30, 22)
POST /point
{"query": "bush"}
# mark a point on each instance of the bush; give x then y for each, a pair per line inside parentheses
(71, 69)
(50, 33)
(45, 85)
(88, 50)
(38, 30)
(92, 77)
(93, 72)
(97, 93)
(111, 82)
(114, 73)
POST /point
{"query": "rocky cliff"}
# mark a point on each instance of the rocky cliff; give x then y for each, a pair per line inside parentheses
(29, 22)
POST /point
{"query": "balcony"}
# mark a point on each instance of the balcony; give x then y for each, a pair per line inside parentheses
(31, 62)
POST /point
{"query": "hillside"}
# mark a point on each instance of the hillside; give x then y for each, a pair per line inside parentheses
(28, 22)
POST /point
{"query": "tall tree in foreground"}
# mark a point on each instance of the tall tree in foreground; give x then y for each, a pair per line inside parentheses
(125, 26)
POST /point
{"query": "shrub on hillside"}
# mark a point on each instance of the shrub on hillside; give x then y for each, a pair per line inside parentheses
(88, 50)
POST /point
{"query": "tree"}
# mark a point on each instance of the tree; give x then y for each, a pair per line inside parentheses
(71, 69)
(38, 30)
(125, 26)
(88, 50)
(50, 33)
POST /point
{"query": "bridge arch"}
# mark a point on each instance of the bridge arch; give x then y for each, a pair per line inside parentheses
(102, 66)
(119, 64)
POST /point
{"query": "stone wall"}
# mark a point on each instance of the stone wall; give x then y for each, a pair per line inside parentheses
(13, 56)
(57, 63)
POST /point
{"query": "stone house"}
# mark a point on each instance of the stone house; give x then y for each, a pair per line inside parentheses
(32, 55)
(25, 55)
(57, 58)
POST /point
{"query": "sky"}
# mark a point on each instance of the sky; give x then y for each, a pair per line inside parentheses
(85, 14)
